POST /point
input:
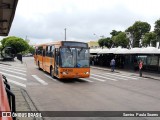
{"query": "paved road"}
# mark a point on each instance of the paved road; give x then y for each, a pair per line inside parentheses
(103, 91)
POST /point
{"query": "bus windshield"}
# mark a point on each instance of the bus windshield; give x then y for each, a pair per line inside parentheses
(74, 57)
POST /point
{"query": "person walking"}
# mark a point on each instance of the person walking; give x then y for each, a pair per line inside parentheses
(140, 68)
(112, 64)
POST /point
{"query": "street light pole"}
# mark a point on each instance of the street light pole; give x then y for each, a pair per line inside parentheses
(65, 34)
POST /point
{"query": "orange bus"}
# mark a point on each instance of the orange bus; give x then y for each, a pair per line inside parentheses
(64, 59)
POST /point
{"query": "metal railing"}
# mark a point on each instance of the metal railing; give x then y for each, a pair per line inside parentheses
(11, 96)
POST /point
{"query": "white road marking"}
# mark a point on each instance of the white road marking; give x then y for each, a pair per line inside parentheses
(112, 77)
(132, 76)
(13, 76)
(117, 75)
(14, 72)
(40, 80)
(15, 67)
(50, 77)
(86, 80)
(12, 69)
(98, 79)
(17, 83)
(104, 77)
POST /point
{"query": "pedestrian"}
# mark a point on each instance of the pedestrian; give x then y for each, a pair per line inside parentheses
(140, 67)
(112, 64)
(19, 57)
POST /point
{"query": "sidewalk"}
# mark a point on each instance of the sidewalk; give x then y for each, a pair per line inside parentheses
(150, 75)
(23, 101)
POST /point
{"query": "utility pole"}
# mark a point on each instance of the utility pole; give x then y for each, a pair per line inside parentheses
(65, 34)
(26, 37)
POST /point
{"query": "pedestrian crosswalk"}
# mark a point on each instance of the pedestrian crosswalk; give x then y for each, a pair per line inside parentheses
(14, 74)
(17, 83)
(40, 80)
(116, 77)
(18, 76)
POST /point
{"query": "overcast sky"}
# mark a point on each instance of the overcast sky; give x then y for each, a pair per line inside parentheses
(44, 20)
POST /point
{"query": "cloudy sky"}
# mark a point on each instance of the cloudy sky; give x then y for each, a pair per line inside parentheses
(44, 20)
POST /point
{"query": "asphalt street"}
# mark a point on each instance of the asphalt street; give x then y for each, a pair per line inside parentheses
(103, 91)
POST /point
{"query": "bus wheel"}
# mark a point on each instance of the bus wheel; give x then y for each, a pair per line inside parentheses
(39, 66)
(51, 72)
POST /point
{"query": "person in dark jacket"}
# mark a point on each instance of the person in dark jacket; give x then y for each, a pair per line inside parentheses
(112, 64)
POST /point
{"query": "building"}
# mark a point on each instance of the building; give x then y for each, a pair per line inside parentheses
(128, 58)
(93, 44)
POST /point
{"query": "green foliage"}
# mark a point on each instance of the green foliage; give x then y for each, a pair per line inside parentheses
(138, 29)
(1, 47)
(3, 42)
(107, 42)
(114, 32)
(31, 49)
(18, 44)
(101, 42)
(149, 38)
(120, 40)
(157, 29)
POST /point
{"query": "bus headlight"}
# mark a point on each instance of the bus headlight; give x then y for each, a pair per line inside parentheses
(86, 73)
(64, 73)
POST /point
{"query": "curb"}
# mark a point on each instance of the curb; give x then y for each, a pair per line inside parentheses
(30, 103)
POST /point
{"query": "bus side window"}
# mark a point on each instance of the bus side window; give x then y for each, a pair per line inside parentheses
(39, 51)
(52, 50)
(47, 50)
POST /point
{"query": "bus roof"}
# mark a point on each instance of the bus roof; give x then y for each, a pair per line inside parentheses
(63, 43)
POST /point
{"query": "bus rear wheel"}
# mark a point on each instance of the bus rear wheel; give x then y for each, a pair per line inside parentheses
(39, 66)
(52, 72)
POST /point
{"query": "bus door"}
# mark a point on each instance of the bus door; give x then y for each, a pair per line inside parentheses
(43, 60)
(35, 55)
(56, 63)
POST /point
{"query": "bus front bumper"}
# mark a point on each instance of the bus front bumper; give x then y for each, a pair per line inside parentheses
(74, 72)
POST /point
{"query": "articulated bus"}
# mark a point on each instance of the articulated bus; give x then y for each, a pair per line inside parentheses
(64, 59)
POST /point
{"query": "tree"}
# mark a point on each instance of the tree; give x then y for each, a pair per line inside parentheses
(101, 42)
(157, 29)
(31, 49)
(114, 32)
(120, 40)
(0, 47)
(18, 44)
(108, 42)
(138, 29)
(149, 38)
